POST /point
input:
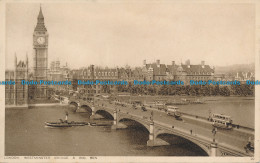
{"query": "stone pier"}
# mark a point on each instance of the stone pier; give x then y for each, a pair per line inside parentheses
(154, 141)
(213, 149)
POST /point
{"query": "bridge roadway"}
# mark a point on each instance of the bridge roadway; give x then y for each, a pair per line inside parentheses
(227, 142)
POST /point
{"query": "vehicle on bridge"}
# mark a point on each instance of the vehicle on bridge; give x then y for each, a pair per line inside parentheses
(160, 106)
(143, 108)
(137, 102)
(134, 106)
(221, 121)
(174, 111)
(120, 103)
(249, 148)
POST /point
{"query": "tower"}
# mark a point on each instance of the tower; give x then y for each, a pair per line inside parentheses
(40, 46)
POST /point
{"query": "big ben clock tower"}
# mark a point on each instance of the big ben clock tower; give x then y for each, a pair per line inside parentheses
(40, 46)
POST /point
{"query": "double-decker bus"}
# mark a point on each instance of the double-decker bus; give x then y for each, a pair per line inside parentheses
(221, 121)
(173, 111)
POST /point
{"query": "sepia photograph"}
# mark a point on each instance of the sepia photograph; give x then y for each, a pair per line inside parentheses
(92, 79)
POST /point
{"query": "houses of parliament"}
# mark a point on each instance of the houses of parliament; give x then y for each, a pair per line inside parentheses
(18, 94)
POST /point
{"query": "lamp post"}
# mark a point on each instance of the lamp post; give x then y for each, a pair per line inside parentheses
(151, 117)
(213, 145)
(214, 132)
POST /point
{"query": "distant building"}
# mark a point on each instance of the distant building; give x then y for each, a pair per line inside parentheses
(93, 73)
(59, 73)
(17, 94)
(154, 71)
(219, 77)
(136, 74)
(244, 76)
(173, 72)
(187, 72)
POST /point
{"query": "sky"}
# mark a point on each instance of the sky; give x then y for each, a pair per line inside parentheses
(123, 33)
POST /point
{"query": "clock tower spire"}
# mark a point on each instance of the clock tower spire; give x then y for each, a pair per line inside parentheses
(40, 63)
(40, 22)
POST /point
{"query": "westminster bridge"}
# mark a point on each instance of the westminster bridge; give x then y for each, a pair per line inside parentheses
(158, 123)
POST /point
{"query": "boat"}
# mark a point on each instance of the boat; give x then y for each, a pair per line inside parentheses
(57, 124)
(197, 101)
(184, 101)
(65, 123)
(179, 102)
(100, 123)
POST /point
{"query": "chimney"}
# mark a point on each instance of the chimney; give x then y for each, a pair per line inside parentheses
(27, 65)
(188, 63)
(173, 63)
(15, 61)
(144, 63)
(202, 64)
(158, 63)
(27, 62)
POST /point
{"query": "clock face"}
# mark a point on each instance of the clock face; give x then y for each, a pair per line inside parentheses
(40, 40)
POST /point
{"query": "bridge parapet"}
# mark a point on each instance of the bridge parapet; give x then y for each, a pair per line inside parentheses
(156, 128)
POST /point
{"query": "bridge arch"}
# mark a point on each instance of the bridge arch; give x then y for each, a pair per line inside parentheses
(203, 147)
(105, 114)
(134, 122)
(74, 103)
(87, 108)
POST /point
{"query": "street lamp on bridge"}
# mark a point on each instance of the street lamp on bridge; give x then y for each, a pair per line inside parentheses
(151, 117)
(214, 132)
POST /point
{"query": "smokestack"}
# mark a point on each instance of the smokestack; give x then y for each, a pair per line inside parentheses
(27, 65)
(202, 64)
(173, 63)
(158, 63)
(188, 63)
(15, 61)
(27, 62)
(144, 63)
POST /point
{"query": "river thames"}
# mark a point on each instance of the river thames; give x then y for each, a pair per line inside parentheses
(25, 134)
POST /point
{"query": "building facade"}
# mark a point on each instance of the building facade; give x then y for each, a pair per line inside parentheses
(59, 73)
(17, 94)
(184, 72)
(93, 73)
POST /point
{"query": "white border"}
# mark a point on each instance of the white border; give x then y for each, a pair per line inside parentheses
(132, 158)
